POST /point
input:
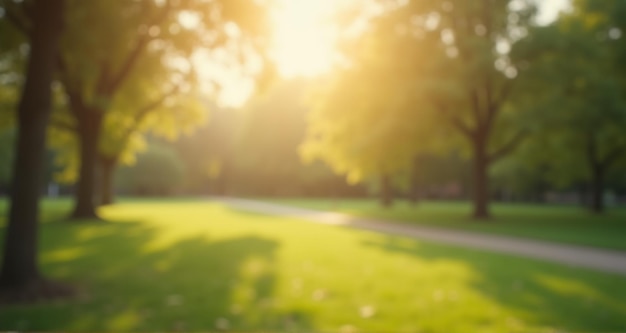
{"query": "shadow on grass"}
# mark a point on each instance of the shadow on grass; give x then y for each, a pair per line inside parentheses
(540, 293)
(131, 283)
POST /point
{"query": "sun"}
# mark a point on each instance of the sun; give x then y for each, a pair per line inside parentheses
(304, 36)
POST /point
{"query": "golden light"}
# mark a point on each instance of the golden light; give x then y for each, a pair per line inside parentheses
(304, 36)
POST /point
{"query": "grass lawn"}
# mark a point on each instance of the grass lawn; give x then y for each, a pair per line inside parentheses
(565, 224)
(198, 266)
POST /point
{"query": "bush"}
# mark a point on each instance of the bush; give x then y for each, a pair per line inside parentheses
(157, 172)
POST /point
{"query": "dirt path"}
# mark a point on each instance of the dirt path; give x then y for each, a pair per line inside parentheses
(597, 259)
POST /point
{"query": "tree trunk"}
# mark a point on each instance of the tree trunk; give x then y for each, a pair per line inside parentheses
(19, 266)
(386, 191)
(107, 170)
(89, 125)
(597, 190)
(481, 181)
(414, 183)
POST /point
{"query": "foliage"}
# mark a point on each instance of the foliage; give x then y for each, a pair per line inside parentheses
(157, 96)
(365, 120)
(579, 100)
(158, 171)
(140, 62)
(126, 127)
(419, 70)
(272, 127)
(12, 63)
(253, 150)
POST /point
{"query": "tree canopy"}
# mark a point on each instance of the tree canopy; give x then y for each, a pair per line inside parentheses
(578, 102)
(145, 54)
(422, 65)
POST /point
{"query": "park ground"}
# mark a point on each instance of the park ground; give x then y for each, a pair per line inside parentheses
(557, 223)
(197, 265)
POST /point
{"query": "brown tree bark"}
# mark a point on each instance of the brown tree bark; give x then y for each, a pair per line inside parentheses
(20, 278)
(597, 190)
(89, 126)
(414, 183)
(386, 191)
(480, 199)
(107, 171)
(598, 166)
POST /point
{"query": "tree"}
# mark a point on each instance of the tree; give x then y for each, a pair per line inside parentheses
(157, 33)
(20, 277)
(167, 115)
(579, 100)
(473, 83)
(366, 122)
(164, 112)
(450, 57)
(91, 78)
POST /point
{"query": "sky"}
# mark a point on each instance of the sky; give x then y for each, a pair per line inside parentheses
(304, 45)
(549, 9)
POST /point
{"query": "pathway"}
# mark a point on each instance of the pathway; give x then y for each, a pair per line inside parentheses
(580, 256)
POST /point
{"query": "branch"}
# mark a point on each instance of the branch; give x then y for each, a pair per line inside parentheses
(117, 79)
(475, 99)
(143, 112)
(592, 151)
(72, 91)
(114, 83)
(104, 77)
(17, 20)
(614, 155)
(456, 121)
(509, 147)
(507, 87)
(492, 106)
(495, 103)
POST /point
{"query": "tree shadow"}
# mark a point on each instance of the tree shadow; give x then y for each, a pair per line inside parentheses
(131, 282)
(540, 293)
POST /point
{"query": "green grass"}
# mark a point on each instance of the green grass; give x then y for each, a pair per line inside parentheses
(198, 266)
(565, 224)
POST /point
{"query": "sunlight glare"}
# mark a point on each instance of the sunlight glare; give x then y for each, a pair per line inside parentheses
(304, 36)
